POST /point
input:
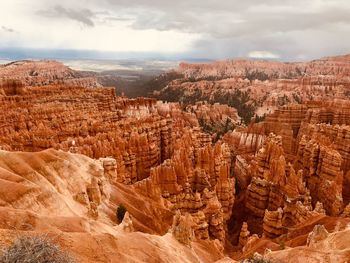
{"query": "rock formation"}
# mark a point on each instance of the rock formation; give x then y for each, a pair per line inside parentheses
(182, 228)
(190, 173)
(244, 235)
(41, 73)
(266, 84)
(273, 223)
(318, 233)
(53, 192)
(127, 224)
(196, 180)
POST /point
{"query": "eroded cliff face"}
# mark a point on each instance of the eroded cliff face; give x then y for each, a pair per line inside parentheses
(315, 145)
(41, 73)
(338, 65)
(196, 180)
(260, 86)
(299, 175)
(88, 121)
(73, 199)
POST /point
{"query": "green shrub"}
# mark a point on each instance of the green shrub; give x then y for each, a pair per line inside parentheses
(260, 118)
(121, 210)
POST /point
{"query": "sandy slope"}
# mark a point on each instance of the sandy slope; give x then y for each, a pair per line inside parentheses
(37, 196)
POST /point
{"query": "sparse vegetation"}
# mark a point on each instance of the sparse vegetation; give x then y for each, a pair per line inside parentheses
(283, 100)
(35, 249)
(239, 100)
(159, 82)
(212, 127)
(256, 258)
(229, 126)
(207, 128)
(297, 98)
(218, 130)
(137, 85)
(121, 210)
(259, 75)
(172, 95)
(260, 118)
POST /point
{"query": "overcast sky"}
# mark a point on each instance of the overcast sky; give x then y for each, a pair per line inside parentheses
(277, 29)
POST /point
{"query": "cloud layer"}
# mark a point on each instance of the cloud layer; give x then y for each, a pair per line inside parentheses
(290, 30)
(84, 16)
(7, 29)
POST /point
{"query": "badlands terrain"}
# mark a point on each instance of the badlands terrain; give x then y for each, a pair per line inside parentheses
(228, 161)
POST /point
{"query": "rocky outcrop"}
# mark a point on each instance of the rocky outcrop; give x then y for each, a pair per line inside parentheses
(173, 162)
(272, 226)
(289, 167)
(277, 194)
(264, 84)
(268, 171)
(42, 201)
(286, 122)
(258, 196)
(324, 177)
(245, 142)
(41, 73)
(346, 212)
(244, 234)
(318, 234)
(182, 228)
(160, 150)
(196, 180)
(70, 119)
(127, 224)
(334, 136)
(232, 68)
(110, 168)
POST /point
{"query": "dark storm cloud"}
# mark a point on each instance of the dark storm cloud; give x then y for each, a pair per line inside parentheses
(84, 16)
(235, 28)
(289, 29)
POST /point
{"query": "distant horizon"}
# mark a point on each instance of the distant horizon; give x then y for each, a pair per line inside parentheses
(31, 53)
(14, 54)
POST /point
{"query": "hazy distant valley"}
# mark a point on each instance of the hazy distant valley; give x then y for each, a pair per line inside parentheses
(130, 77)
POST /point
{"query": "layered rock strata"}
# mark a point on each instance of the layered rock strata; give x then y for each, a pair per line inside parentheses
(196, 180)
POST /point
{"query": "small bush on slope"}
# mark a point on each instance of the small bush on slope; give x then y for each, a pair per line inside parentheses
(121, 210)
(34, 249)
(256, 258)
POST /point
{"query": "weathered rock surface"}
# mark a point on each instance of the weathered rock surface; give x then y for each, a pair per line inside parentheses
(43, 199)
(182, 228)
(196, 180)
(267, 84)
(318, 234)
(41, 73)
(244, 235)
